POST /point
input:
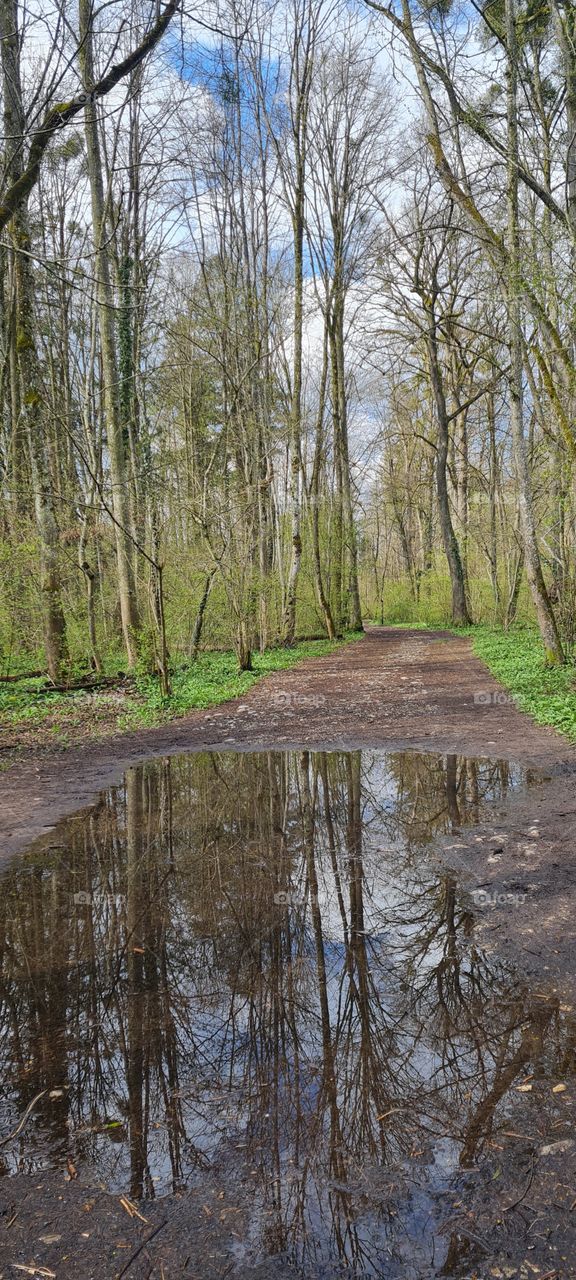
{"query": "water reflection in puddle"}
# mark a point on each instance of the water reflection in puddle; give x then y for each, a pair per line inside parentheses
(250, 966)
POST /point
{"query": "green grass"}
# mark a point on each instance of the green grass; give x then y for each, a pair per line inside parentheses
(516, 658)
(22, 701)
(212, 679)
(30, 702)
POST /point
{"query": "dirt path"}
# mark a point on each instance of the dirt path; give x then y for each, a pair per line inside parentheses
(392, 689)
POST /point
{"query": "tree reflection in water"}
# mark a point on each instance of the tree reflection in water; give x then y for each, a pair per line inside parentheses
(251, 963)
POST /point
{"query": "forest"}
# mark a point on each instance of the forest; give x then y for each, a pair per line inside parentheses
(288, 390)
(287, 337)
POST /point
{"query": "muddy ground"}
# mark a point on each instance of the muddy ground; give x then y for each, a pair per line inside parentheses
(393, 689)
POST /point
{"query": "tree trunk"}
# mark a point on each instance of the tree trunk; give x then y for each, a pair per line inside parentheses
(295, 416)
(337, 557)
(460, 614)
(314, 499)
(119, 470)
(199, 620)
(492, 484)
(544, 612)
(355, 612)
(243, 648)
(31, 394)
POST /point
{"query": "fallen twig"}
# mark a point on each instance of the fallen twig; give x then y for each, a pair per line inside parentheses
(131, 1209)
(84, 686)
(34, 1271)
(138, 1251)
(22, 1122)
(509, 1207)
(22, 675)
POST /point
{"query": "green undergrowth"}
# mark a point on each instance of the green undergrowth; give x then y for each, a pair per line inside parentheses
(406, 626)
(214, 678)
(516, 658)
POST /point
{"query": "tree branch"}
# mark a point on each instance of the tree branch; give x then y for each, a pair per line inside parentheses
(61, 114)
(467, 116)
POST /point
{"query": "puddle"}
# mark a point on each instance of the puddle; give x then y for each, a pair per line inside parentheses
(250, 972)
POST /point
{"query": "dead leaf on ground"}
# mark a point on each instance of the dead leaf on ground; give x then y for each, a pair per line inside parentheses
(556, 1148)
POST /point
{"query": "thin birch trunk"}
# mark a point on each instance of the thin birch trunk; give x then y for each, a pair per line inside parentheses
(119, 468)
